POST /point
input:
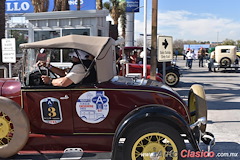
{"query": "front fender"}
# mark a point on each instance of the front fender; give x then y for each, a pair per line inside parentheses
(150, 113)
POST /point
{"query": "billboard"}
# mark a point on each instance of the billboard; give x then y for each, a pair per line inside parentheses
(196, 47)
(132, 5)
(25, 6)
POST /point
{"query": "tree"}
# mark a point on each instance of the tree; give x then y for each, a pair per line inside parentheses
(228, 42)
(62, 5)
(139, 42)
(78, 5)
(123, 21)
(40, 5)
(99, 4)
(178, 43)
(238, 43)
(117, 9)
(21, 36)
(2, 26)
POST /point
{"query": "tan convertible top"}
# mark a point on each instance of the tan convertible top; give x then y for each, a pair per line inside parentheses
(90, 44)
(103, 48)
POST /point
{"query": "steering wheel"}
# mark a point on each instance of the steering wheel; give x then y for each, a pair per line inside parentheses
(35, 77)
(48, 71)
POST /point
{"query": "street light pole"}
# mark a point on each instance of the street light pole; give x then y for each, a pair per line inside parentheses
(145, 41)
(154, 40)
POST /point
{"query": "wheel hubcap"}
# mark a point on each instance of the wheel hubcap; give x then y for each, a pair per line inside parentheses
(154, 146)
(171, 78)
(6, 129)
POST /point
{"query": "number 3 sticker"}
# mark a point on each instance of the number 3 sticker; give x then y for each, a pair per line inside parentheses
(51, 110)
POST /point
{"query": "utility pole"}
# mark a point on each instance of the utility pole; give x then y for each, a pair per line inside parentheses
(145, 41)
(154, 40)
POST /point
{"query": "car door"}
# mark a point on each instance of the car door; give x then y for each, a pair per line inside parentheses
(92, 112)
(49, 110)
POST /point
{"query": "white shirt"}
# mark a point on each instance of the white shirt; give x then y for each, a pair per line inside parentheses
(77, 73)
(190, 55)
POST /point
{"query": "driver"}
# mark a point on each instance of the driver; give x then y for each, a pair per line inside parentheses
(68, 76)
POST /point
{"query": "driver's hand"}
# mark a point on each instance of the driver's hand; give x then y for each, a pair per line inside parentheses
(41, 63)
(46, 79)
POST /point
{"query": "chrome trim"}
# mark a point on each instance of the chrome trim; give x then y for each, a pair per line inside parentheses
(65, 97)
(199, 122)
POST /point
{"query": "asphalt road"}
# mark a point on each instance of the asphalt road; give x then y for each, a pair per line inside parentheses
(222, 94)
(222, 90)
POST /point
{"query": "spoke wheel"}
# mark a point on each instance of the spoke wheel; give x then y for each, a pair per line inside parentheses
(153, 140)
(197, 104)
(171, 78)
(154, 145)
(6, 129)
(225, 62)
(14, 128)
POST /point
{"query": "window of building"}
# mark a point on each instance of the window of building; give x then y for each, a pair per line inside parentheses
(58, 56)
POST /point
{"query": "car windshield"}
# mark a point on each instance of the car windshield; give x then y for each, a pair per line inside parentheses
(102, 48)
(32, 56)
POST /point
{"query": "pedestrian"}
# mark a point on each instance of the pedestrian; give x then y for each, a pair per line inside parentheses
(212, 60)
(201, 56)
(190, 57)
(176, 53)
(185, 55)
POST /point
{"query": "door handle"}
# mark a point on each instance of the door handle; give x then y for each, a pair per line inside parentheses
(65, 97)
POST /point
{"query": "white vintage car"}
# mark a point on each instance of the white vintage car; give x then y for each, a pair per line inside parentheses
(226, 57)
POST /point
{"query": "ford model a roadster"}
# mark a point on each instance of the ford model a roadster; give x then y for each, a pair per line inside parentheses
(133, 118)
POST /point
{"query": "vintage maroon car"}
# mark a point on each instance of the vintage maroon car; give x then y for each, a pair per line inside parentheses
(133, 118)
(132, 69)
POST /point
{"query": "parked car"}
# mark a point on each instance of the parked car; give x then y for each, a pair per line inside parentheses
(130, 117)
(226, 57)
(172, 75)
(136, 70)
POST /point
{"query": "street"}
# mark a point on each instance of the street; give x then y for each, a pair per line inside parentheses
(222, 90)
(222, 94)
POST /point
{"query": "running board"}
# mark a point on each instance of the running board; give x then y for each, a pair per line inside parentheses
(72, 154)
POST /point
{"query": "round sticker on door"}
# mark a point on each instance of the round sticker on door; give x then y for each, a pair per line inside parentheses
(92, 106)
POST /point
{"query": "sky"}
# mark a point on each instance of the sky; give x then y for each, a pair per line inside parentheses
(200, 20)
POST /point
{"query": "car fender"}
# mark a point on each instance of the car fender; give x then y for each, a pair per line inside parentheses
(150, 113)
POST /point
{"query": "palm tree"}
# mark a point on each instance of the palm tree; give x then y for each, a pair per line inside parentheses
(123, 21)
(40, 5)
(61, 5)
(78, 5)
(117, 10)
(99, 4)
(2, 26)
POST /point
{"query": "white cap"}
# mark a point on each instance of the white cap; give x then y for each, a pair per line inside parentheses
(83, 55)
(42, 50)
(142, 54)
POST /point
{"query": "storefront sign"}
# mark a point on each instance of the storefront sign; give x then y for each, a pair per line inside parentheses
(9, 50)
(26, 6)
(132, 6)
